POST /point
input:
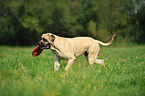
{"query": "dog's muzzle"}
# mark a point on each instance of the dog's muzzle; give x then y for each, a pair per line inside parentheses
(44, 46)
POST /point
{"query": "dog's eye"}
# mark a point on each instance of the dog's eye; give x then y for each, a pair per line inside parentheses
(44, 40)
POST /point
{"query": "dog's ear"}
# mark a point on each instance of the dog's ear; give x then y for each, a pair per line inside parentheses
(51, 38)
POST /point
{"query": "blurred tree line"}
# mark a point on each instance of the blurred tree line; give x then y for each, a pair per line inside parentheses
(22, 22)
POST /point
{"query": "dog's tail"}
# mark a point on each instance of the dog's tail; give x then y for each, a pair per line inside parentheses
(106, 44)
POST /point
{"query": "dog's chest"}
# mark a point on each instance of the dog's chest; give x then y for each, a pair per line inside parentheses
(59, 54)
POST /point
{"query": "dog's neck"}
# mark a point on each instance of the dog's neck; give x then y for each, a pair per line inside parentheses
(54, 45)
(55, 50)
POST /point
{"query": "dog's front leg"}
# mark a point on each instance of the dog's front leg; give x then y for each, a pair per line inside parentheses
(70, 62)
(56, 65)
(56, 62)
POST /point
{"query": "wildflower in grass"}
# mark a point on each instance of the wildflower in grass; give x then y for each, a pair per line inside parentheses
(61, 75)
(52, 76)
(46, 78)
(136, 57)
(40, 78)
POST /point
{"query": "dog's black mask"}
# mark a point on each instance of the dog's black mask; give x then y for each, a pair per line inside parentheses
(44, 45)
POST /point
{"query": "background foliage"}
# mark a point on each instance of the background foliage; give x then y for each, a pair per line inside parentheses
(22, 22)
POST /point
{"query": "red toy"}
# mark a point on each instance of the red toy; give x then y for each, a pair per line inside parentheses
(37, 51)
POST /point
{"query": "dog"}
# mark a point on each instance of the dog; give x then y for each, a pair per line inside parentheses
(70, 48)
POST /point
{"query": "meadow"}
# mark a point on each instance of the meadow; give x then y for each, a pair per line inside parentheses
(21, 74)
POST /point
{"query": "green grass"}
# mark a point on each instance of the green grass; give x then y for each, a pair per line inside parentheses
(21, 74)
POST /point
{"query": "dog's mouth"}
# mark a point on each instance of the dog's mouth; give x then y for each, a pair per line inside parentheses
(39, 48)
(44, 47)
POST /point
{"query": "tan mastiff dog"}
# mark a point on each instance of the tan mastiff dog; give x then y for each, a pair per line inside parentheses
(70, 48)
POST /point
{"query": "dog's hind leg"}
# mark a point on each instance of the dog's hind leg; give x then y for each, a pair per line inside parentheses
(99, 61)
(91, 56)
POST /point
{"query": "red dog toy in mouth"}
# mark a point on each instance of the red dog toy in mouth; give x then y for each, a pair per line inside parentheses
(36, 51)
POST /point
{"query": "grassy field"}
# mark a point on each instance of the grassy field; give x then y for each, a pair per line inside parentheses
(21, 74)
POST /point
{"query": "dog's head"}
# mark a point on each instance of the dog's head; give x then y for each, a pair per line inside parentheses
(46, 41)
